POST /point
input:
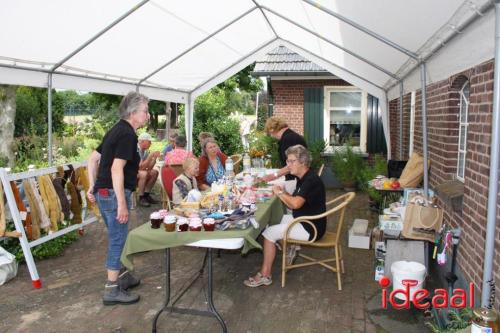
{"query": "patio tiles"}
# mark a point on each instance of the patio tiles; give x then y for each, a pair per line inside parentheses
(70, 300)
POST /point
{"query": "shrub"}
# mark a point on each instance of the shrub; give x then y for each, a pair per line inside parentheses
(347, 165)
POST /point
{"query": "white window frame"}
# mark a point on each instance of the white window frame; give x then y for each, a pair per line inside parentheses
(412, 122)
(364, 113)
(460, 125)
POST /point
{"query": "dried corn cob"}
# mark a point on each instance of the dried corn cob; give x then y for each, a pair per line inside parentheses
(61, 194)
(34, 208)
(49, 194)
(44, 218)
(22, 208)
(75, 205)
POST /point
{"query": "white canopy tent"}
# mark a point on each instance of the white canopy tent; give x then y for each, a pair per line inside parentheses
(176, 50)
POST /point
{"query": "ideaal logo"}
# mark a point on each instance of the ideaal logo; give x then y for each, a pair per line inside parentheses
(418, 296)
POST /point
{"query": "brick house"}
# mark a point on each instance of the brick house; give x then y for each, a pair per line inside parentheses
(318, 104)
(459, 113)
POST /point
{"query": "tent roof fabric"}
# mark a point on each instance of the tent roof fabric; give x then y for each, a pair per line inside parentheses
(173, 48)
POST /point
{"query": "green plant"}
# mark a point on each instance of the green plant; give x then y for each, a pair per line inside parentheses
(316, 148)
(457, 320)
(262, 142)
(347, 165)
(52, 248)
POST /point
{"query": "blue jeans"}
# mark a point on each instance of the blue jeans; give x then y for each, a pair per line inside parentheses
(117, 232)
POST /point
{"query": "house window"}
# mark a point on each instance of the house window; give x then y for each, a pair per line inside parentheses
(345, 116)
(462, 136)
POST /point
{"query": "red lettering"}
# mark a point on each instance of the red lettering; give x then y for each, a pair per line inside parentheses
(440, 294)
(384, 298)
(471, 295)
(405, 292)
(419, 295)
(458, 294)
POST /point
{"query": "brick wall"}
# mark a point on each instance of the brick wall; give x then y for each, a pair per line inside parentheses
(443, 130)
(288, 99)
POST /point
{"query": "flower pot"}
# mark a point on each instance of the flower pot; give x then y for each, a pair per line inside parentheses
(349, 186)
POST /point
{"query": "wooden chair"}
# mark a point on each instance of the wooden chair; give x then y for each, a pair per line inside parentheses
(237, 158)
(329, 240)
(321, 169)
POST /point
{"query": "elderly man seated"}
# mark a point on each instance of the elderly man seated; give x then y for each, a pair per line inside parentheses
(147, 175)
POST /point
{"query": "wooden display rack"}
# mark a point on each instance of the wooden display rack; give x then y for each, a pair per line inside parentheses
(26, 245)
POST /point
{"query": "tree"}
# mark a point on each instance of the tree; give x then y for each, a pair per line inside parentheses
(32, 112)
(211, 114)
(7, 118)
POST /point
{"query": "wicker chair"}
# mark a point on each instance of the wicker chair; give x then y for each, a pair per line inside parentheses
(237, 158)
(329, 240)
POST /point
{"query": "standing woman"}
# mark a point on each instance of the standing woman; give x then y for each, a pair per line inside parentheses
(212, 162)
(277, 128)
(113, 169)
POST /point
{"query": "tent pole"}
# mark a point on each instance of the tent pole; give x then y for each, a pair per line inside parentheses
(489, 247)
(188, 122)
(354, 54)
(362, 28)
(479, 13)
(401, 120)
(49, 122)
(197, 44)
(424, 130)
(331, 63)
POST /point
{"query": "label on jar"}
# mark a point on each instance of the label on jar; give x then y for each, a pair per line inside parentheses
(475, 328)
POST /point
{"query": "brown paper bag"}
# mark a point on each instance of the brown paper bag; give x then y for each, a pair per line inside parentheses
(422, 222)
(413, 172)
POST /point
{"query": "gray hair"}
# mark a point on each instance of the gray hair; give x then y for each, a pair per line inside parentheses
(204, 146)
(180, 141)
(303, 155)
(131, 103)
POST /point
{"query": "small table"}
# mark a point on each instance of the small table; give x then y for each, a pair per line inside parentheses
(144, 238)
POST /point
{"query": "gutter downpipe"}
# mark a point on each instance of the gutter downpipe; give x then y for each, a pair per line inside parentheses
(424, 129)
(489, 247)
(401, 120)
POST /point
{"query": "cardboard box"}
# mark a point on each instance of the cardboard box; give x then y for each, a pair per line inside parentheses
(359, 241)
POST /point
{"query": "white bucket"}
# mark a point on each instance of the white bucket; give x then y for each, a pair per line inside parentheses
(407, 270)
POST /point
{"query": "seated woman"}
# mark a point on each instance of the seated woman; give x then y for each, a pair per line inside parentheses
(212, 162)
(186, 181)
(309, 198)
(179, 154)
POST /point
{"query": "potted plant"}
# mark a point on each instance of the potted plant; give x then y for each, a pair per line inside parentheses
(347, 166)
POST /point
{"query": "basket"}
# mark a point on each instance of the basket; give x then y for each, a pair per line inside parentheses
(209, 199)
(193, 205)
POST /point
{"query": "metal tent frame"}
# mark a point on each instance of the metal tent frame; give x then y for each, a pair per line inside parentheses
(188, 96)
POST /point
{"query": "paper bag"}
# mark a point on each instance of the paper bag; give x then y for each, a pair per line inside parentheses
(422, 222)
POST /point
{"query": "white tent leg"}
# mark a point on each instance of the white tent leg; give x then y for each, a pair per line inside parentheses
(424, 130)
(489, 247)
(11, 201)
(49, 123)
(188, 116)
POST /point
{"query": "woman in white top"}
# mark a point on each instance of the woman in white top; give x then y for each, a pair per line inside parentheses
(186, 181)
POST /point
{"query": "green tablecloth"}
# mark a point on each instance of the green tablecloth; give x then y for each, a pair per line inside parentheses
(144, 238)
